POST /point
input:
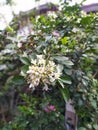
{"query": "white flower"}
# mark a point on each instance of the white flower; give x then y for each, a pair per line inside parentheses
(33, 62)
(83, 13)
(19, 45)
(78, 20)
(31, 86)
(45, 87)
(75, 30)
(42, 71)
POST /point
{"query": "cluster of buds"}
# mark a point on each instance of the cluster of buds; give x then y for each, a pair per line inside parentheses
(42, 71)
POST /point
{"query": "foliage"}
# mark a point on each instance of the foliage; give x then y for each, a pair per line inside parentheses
(68, 40)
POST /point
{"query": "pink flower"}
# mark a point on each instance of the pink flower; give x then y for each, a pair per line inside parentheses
(49, 109)
(55, 34)
(46, 110)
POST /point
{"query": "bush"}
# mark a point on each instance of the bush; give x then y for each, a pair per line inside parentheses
(41, 73)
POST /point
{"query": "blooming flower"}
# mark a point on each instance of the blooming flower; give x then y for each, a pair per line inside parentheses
(19, 45)
(46, 110)
(43, 71)
(83, 13)
(49, 109)
(55, 34)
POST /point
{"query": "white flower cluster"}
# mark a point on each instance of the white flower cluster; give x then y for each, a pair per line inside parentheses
(43, 71)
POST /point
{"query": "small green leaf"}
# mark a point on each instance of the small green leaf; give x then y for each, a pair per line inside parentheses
(68, 71)
(65, 80)
(60, 58)
(61, 83)
(94, 104)
(10, 46)
(81, 128)
(24, 68)
(25, 60)
(86, 20)
(95, 126)
(65, 93)
(68, 63)
(64, 40)
(63, 60)
(10, 29)
(85, 82)
(18, 80)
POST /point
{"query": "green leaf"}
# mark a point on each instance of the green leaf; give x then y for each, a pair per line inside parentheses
(64, 40)
(86, 20)
(65, 80)
(94, 104)
(60, 58)
(81, 128)
(68, 71)
(24, 68)
(65, 93)
(10, 46)
(63, 60)
(61, 83)
(95, 126)
(18, 80)
(85, 82)
(25, 60)
(10, 29)
(68, 63)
